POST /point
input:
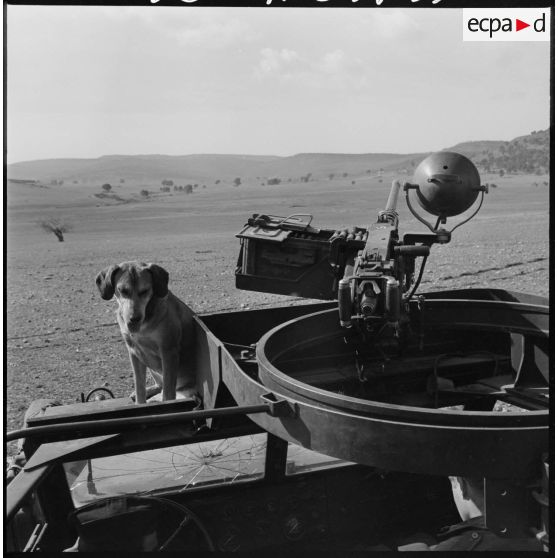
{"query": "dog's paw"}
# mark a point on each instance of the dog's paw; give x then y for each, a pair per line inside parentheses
(190, 395)
(152, 390)
(134, 398)
(157, 398)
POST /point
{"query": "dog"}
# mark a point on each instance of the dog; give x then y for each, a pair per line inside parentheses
(157, 328)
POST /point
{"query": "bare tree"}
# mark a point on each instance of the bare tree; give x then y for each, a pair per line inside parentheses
(55, 225)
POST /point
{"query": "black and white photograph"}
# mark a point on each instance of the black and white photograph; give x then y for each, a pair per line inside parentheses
(277, 276)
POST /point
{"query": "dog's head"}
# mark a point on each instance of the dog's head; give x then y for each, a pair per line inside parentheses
(135, 285)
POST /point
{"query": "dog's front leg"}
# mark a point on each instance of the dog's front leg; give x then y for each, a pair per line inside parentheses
(139, 378)
(170, 373)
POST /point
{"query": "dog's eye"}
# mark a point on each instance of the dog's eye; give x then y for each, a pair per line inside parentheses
(124, 292)
(145, 292)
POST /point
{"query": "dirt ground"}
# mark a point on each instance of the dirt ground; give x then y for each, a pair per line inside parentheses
(62, 338)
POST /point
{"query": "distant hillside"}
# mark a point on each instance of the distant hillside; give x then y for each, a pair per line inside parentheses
(114, 168)
(528, 154)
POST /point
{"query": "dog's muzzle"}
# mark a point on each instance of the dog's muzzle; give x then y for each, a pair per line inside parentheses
(134, 323)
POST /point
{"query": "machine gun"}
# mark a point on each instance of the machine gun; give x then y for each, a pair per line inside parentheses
(370, 271)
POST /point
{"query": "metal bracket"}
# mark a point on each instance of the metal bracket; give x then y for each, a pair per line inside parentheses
(279, 407)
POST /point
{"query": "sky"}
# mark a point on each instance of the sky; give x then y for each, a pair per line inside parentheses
(88, 81)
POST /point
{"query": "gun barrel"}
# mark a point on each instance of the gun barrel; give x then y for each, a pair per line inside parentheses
(393, 195)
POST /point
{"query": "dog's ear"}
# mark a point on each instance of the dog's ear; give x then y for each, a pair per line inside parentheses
(160, 280)
(105, 281)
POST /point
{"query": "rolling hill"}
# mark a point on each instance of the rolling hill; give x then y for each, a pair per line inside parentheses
(528, 153)
(151, 168)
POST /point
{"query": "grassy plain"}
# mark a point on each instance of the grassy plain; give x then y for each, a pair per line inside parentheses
(62, 338)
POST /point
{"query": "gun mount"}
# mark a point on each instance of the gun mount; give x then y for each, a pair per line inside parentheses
(370, 271)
